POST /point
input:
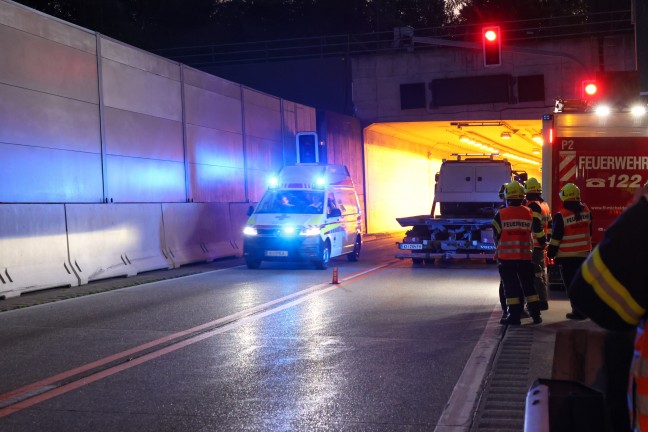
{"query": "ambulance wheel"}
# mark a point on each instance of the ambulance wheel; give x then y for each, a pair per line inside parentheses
(325, 257)
(253, 263)
(353, 256)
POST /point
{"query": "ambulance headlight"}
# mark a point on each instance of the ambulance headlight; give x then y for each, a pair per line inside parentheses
(320, 182)
(310, 231)
(249, 231)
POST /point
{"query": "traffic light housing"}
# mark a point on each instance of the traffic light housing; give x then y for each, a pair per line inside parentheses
(307, 147)
(492, 46)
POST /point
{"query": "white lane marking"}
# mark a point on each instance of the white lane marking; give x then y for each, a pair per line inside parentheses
(245, 315)
(458, 414)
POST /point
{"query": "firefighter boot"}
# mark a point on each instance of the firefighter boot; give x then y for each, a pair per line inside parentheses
(534, 311)
(513, 316)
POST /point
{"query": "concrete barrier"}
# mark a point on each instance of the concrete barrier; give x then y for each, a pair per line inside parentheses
(109, 240)
(33, 249)
(195, 232)
(238, 218)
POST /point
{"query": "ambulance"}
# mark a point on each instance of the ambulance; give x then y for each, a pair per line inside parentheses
(310, 213)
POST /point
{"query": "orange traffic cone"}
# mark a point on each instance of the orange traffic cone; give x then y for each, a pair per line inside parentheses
(335, 276)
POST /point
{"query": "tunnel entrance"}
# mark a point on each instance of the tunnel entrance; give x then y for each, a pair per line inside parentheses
(402, 158)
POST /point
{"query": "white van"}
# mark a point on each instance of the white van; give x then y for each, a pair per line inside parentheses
(310, 212)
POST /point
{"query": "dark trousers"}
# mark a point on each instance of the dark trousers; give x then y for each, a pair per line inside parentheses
(517, 278)
(568, 269)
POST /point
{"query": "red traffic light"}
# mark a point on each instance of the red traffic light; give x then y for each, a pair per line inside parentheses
(590, 89)
(490, 35)
(491, 44)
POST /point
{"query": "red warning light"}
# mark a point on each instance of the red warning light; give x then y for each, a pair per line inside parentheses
(590, 89)
(490, 35)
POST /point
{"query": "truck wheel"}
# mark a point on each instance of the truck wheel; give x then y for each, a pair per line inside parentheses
(253, 263)
(417, 261)
(325, 257)
(353, 256)
(429, 261)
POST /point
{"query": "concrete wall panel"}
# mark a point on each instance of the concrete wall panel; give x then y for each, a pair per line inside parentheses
(32, 174)
(262, 115)
(145, 61)
(33, 249)
(32, 22)
(35, 63)
(214, 84)
(216, 184)
(214, 147)
(258, 183)
(131, 89)
(196, 232)
(139, 135)
(38, 119)
(263, 154)
(212, 110)
(144, 180)
(108, 240)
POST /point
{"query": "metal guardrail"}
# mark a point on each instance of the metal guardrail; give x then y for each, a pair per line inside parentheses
(571, 26)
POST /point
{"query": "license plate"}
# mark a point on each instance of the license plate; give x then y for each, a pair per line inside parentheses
(276, 253)
(410, 246)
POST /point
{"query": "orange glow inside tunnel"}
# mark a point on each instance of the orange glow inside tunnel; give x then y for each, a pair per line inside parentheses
(402, 159)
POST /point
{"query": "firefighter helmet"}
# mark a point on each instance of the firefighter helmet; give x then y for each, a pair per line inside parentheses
(514, 190)
(533, 186)
(570, 192)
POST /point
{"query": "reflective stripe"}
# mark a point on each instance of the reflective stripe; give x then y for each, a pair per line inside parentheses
(512, 300)
(533, 298)
(554, 242)
(610, 290)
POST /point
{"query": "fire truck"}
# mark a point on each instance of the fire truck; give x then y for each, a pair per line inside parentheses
(602, 151)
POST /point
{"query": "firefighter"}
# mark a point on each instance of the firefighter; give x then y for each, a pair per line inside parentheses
(512, 228)
(541, 219)
(571, 238)
(612, 290)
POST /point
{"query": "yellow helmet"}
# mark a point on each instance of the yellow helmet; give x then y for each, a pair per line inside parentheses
(533, 186)
(569, 192)
(514, 190)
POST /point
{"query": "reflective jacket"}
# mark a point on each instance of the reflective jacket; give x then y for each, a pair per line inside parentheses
(611, 288)
(541, 221)
(572, 234)
(513, 233)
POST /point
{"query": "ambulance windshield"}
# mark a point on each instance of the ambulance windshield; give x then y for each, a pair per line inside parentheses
(291, 201)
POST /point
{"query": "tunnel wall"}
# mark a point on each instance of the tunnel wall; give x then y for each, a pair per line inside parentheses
(116, 161)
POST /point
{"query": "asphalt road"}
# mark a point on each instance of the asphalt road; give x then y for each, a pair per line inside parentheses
(280, 348)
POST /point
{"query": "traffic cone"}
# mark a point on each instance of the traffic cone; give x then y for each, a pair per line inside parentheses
(335, 276)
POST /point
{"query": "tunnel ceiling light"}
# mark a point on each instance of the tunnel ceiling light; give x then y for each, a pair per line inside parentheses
(464, 138)
(537, 138)
(505, 135)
